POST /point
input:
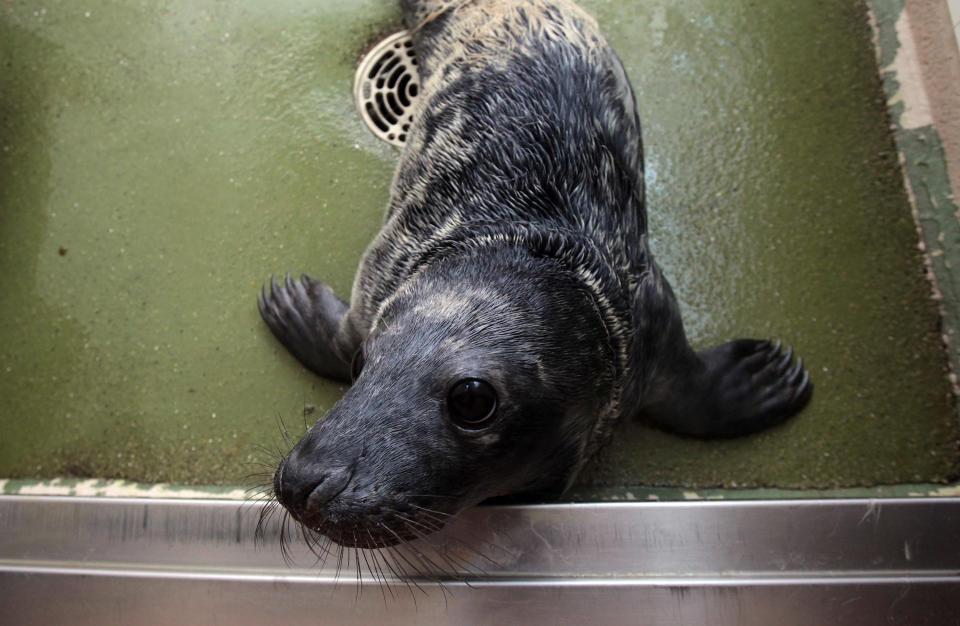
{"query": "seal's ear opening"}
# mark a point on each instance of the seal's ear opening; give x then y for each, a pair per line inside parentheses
(356, 365)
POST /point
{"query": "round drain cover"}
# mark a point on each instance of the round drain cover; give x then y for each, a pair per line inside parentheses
(386, 86)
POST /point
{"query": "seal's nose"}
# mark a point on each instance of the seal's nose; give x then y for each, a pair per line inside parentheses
(306, 489)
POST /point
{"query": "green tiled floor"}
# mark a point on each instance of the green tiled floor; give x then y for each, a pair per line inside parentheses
(157, 164)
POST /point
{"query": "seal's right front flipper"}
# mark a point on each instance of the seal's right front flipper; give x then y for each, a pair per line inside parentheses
(733, 389)
(311, 322)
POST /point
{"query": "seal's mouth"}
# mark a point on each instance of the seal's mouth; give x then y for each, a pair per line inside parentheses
(388, 545)
(382, 528)
(364, 536)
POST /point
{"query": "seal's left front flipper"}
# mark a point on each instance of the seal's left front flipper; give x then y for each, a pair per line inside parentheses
(311, 322)
(735, 389)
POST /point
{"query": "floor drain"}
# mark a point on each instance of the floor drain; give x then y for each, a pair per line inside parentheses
(386, 86)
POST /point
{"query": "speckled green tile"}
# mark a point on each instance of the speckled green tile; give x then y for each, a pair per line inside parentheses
(158, 161)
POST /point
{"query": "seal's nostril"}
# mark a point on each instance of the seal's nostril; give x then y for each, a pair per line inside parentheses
(306, 488)
(331, 484)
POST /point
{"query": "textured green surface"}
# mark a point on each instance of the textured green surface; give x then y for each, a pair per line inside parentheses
(157, 164)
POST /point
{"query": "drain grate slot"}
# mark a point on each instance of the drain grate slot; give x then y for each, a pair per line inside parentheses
(402, 90)
(372, 116)
(386, 88)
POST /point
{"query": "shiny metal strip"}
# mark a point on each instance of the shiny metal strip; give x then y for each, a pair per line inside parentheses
(730, 562)
(602, 539)
(691, 582)
(68, 599)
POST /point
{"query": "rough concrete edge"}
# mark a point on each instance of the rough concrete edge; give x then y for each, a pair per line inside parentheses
(954, 11)
(939, 60)
(923, 161)
(115, 489)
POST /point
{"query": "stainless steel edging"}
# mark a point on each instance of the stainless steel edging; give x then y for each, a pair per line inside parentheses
(111, 560)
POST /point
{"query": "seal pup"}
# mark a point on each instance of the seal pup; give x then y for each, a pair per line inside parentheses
(509, 312)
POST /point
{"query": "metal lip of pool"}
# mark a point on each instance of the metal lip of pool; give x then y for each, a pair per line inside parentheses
(796, 561)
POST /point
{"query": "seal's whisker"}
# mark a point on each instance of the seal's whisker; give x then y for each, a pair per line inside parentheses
(264, 474)
(426, 525)
(336, 576)
(313, 544)
(374, 555)
(260, 488)
(283, 431)
(468, 545)
(459, 563)
(274, 455)
(404, 574)
(434, 514)
(399, 572)
(258, 498)
(284, 541)
(356, 558)
(321, 543)
(312, 539)
(424, 558)
(396, 569)
(431, 495)
(394, 550)
(385, 585)
(466, 562)
(260, 483)
(452, 569)
(267, 512)
(255, 496)
(403, 563)
(434, 573)
(360, 552)
(304, 534)
(379, 562)
(440, 523)
(472, 548)
(258, 495)
(282, 526)
(366, 554)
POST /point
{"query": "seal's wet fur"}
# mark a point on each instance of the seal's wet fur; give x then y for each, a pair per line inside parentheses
(514, 251)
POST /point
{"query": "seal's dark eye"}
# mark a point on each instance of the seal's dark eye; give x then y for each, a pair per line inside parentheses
(472, 403)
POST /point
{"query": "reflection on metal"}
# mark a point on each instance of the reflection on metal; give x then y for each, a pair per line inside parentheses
(96, 561)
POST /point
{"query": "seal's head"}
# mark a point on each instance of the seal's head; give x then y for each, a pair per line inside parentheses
(483, 376)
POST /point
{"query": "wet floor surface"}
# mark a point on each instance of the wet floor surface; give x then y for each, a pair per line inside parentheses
(158, 164)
